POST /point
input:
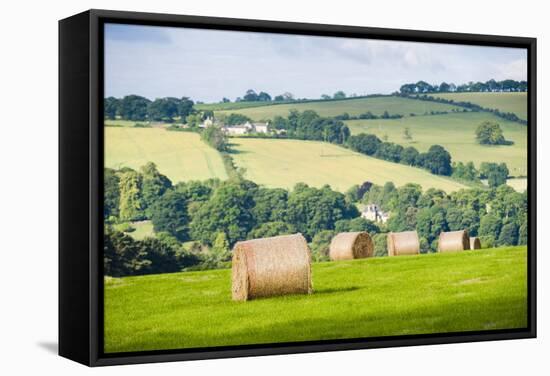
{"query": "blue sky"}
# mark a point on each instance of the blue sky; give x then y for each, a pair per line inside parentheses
(208, 65)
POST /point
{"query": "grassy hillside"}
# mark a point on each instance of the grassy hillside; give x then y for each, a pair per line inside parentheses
(376, 105)
(179, 155)
(455, 132)
(504, 102)
(228, 106)
(283, 163)
(472, 290)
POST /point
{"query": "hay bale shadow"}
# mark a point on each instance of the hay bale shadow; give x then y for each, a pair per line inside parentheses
(335, 290)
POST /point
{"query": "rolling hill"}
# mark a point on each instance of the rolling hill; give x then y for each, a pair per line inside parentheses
(504, 102)
(180, 156)
(456, 133)
(376, 105)
(283, 163)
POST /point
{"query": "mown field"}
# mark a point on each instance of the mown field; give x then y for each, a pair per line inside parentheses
(140, 230)
(504, 102)
(472, 290)
(181, 156)
(376, 105)
(455, 132)
(283, 163)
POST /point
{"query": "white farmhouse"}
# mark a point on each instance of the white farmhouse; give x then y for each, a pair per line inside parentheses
(373, 213)
(245, 128)
(260, 127)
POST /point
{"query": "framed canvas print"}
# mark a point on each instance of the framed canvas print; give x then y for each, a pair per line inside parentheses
(236, 187)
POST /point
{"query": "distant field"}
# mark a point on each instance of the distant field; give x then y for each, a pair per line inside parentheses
(504, 102)
(142, 229)
(283, 163)
(433, 293)
(376, 105)
(519, 184)
(122, 123)
(179, 155)
(229, 105)
(455, 132)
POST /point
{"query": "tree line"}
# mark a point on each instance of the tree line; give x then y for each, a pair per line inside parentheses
(208, 214)
(197, 222)
(498, 216)
(423, 87)
(138, 108)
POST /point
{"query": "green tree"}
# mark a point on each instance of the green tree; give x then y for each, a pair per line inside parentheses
(131, 201)
(409, 156)
(269, 229)
(490, 225)
(320, 245)
(236, 119)
(134, 107)
(339, 95)
(163, 109)
(159, 257)
(121, 254)
(229, 210)
(496, 174)
(312, 210)
(508, 234)
(356, 224)
(523, 233)
(219, 254)
(490, 133)
(270, 205)
(185, 108)
(153, 186)
(364, 143)
(215, 137)
(169, 214)
(408, 196)
(110, 107)
(111, 193)
(437, 160)
(380, 245)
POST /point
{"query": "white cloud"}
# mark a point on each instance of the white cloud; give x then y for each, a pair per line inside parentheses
(208, 65)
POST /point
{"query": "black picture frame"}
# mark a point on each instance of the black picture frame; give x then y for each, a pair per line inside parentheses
(80, 185)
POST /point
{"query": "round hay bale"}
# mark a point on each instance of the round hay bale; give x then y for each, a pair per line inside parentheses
(271, 266)
(351, 245)
(403, 243)
(475, 243)
(452, 241)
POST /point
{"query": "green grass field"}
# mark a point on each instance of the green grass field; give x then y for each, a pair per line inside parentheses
(435, 293)
(227, 106)
(283, 163)
(504, 102)
(455, 132)
(142, 229)
(181, 156)
(376, 105)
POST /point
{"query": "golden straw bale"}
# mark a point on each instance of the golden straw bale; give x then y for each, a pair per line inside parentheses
(403, 243)
(475, 243)
(351, 245)
(452, 241)
(271, 266)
